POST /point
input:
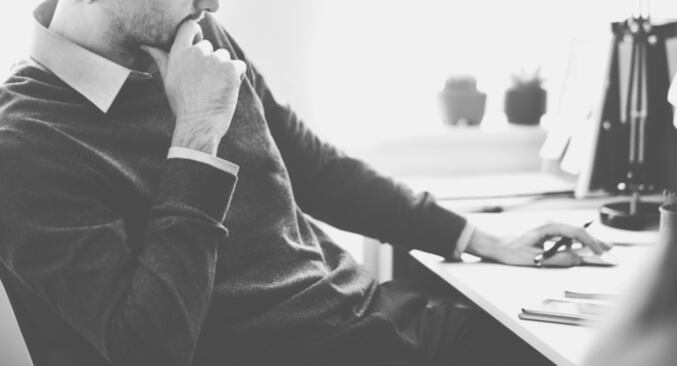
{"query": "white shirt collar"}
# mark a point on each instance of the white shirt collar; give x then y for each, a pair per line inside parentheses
(95, 77)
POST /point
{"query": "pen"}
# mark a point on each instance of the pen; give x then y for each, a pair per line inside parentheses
(538, 260)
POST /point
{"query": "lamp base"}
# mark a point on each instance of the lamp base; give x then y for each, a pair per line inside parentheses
(618, 215)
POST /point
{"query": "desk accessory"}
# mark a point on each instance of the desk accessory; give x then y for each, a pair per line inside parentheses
(589, 258)
(587, 291)
(667, 232)
(525, 100)
(635, 152)
(623, 238)
(566, 311)
(461, 103)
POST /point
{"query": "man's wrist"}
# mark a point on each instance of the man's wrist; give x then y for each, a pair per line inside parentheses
(216, 162)
(196, 142)
(462, 242)
(482, 244)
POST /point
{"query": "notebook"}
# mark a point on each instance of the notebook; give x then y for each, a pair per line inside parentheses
(566, 311)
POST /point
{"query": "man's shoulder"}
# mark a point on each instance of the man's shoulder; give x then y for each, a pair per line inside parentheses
(17, 91)
(27, 69)
(30, 99)
(32, 115)
(29, 79)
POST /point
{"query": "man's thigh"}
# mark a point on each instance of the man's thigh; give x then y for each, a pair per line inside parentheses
(405, 327)
(458, 336)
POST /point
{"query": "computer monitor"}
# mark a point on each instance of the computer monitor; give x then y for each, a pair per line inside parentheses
(634, 151)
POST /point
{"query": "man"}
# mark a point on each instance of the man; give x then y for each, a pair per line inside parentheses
(159, 218)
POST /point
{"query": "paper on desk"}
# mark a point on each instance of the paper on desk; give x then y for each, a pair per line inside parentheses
(622, 237)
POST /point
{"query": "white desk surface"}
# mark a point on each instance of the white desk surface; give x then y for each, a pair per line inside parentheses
(502, 290)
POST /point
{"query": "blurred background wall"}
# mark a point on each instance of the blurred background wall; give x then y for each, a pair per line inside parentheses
(375, 65)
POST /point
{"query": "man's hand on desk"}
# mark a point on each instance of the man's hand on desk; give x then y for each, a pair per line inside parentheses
(521, 251)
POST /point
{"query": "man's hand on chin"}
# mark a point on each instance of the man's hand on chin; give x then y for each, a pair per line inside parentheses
(202, 87)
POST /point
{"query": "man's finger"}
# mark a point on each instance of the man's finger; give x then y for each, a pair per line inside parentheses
(565, 258)
(188, 33)
(205, 46)
(240, 67)
(577, 234)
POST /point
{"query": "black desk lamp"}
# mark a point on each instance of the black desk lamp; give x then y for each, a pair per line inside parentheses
(637, 119)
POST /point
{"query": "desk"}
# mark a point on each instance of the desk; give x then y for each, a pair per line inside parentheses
(503, 290)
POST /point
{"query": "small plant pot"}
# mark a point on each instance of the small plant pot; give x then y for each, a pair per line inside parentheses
(525, 106)
(462, 108)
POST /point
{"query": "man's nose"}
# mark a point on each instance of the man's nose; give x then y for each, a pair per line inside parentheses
(208, 5)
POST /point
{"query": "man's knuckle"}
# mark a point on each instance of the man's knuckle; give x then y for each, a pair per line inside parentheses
(229, 69)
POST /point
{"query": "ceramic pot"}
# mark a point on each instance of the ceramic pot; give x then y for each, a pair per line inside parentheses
(525, 106)
(462, 108)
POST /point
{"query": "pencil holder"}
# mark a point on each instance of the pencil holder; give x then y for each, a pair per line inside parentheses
(667, 232)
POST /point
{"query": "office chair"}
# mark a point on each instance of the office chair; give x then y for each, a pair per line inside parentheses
(49, 339)
(25, 321)
(13, 349)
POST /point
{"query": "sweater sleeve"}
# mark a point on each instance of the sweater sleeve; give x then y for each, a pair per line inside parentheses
(343, 191)
(349, 194)
(138, 300)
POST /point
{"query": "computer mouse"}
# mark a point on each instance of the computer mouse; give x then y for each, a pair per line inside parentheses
(589, 258)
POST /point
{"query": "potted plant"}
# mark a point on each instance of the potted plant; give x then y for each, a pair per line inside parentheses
(525, 100)
(461, 104)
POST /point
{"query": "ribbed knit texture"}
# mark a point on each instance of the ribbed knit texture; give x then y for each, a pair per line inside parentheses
(173, 262)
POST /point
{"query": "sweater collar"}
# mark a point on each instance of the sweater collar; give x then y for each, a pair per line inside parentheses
(95, 77)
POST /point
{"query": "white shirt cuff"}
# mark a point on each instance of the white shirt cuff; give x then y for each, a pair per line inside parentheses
(463, 241)
(185, 153)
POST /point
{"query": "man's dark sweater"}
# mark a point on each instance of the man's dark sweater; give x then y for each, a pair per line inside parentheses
(156, 261)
